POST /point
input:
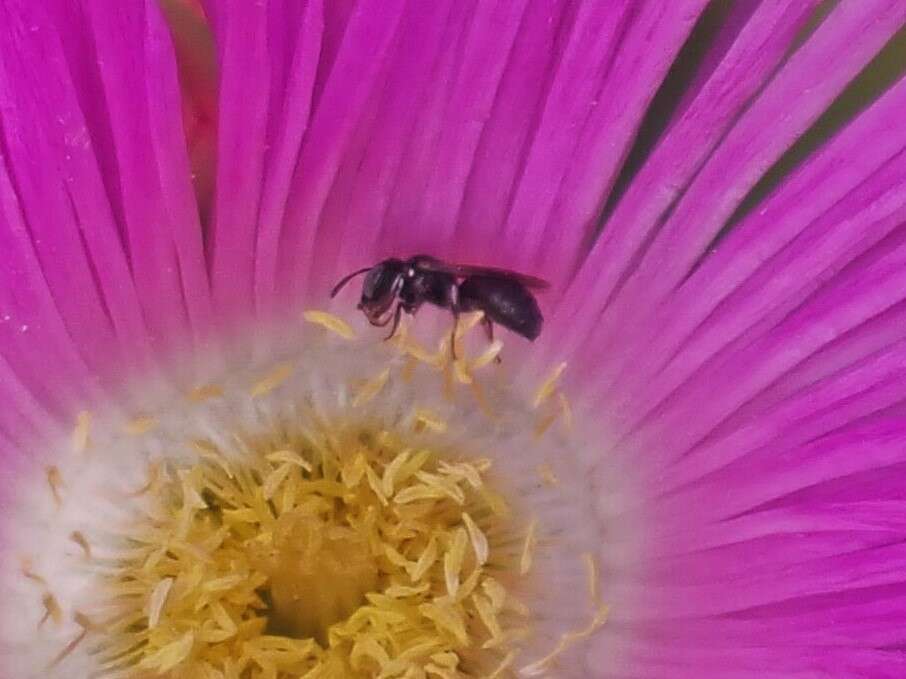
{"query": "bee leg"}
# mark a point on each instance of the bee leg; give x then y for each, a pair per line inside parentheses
(453, 332)
(396, 321)
(489, 330)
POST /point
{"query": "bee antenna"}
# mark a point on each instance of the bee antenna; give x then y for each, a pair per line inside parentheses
(339, 286)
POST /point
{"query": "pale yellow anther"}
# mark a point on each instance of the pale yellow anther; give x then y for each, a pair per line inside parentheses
(79, 538)
(205, 392)
(55, 482)
(289, 457)
(528, 548)
(453, 561)
(275, 479)
(547, 474)
(272, 380)
(333, 323)
(488, 355)
(549, 385)
(140, 425)
(212, 453)
(591, 572)
(158, 600)
(504, 665)
(544, 423)
(371, 388)
(567, 640)
(81, 433)
(496, 593)
(170, 655)
(566, 411)
(52, 609)
(461, 371)
(478, 538)
(425, 419)
(391, 471)
(425, 560)
(467, 323)
(487, 614)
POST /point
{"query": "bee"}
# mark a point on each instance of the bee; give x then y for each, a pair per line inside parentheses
(394, 286)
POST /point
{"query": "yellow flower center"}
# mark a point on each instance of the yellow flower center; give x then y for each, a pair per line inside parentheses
(295, 540)
(337, 551)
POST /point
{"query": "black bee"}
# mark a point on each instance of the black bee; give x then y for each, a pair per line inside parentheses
(504, 296)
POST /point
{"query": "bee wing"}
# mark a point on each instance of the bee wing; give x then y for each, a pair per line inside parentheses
(463, 270)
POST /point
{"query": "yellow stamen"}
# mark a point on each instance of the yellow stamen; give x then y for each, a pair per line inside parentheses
(371, 388)
(547, 474)
(566, 641)
(528, 548)
(79, 538)
(549, 385)
(425, 419)
(591, 569)
(205, 392)
(273, 379)
(81, 433)
(333, 323)
(140, 425)
(327, 547)
(55, 482)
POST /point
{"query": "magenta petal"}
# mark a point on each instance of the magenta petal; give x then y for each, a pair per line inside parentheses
(355, 211)
(607, 119)
(244, 95)
(133, 46)
(361, 55)
(65, 205)
(485, 53)
(710, 108)
(289, 121)
(870, 205)
(752, 146)
(821, 67)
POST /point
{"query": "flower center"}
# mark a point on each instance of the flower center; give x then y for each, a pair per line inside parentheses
(317, 522)
(325, 549)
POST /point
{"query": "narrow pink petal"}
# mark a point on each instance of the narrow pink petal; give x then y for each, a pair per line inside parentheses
(420, 149)
(867, 287)
(27, 305)
(884, 330)
(606, 118)
(64, 204)
(850, 228)
(865, 388)
(547, 36)
(860, 191)
(712, 107)
(23, 416)
(290, 118)
(245, 82)
(642, 659)
(881, 517)
(364, 50)
(821, 67)
(781, 470)
(751, 43)
(150, 231)
(364, 187)
(483, 59)
(167, 139)
(880, 566)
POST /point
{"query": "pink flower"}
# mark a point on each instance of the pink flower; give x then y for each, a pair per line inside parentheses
(207, 475)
